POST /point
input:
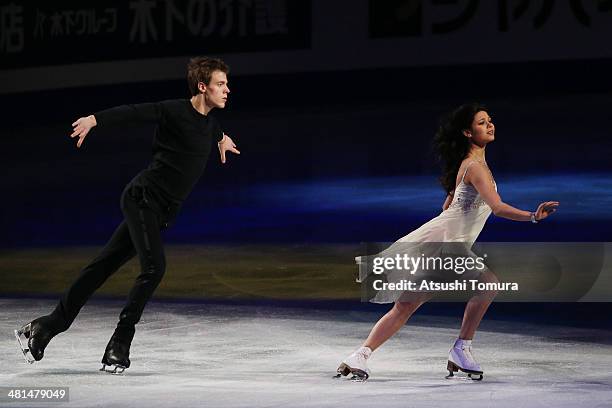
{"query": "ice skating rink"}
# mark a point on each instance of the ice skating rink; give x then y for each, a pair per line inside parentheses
(212, 355)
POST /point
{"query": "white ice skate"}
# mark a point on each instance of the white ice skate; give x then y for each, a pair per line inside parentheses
(356, 364)
(460, 358)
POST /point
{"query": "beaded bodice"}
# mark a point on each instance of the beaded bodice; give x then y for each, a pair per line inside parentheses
(466, 197)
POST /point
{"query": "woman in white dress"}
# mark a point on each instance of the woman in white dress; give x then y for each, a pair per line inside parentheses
(461, 141)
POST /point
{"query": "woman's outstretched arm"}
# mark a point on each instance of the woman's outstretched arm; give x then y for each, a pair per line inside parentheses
(480, 178)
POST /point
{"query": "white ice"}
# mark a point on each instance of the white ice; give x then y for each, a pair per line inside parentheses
(202, 355)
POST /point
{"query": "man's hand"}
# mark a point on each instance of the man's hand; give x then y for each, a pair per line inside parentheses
(226, 145)
(81, 128)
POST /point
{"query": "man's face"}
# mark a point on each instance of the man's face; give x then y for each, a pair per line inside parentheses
(217, 91)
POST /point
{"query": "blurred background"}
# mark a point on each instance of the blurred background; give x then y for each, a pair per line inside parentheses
(333, 105)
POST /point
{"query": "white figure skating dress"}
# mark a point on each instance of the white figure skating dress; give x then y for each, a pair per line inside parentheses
(453, 232)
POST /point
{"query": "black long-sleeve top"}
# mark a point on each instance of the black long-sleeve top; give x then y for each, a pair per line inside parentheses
(182, 143)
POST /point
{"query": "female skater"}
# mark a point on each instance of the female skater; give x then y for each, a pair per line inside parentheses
(472, 195)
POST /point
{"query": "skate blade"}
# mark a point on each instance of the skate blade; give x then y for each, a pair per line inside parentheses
(358, 375)
(470, 374)
(112, 369)
(466, 378)
(28, 357)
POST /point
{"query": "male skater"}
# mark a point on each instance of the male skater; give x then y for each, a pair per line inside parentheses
(184, 136)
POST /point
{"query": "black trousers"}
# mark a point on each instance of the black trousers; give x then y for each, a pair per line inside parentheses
(146, 213)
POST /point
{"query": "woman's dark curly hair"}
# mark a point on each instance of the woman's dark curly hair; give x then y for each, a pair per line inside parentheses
(450, 143)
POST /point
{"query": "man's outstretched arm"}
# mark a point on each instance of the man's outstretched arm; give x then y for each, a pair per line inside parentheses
(144, 112)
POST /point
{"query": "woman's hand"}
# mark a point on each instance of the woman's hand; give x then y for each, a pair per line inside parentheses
(545, 209)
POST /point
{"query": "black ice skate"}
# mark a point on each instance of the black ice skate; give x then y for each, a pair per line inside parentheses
(33, 339)
(116, 357)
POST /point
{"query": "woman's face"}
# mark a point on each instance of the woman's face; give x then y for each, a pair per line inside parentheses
(482, 130)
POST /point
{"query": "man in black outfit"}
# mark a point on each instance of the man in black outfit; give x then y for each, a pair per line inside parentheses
(184, 137)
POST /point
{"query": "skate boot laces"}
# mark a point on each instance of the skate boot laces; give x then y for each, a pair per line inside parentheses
(362, 356)
(463, 356)
(467, 350)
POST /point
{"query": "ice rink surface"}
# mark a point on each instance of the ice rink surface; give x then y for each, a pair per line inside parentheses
(207, 355)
